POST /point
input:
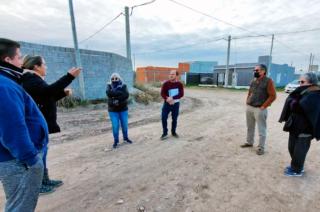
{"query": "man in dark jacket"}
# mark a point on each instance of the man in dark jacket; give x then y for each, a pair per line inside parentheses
(46, 95)
(23, 134)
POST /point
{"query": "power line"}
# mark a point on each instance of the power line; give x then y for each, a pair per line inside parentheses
(102, 28)
(301, 31)
(115, 18)
(277, 33)
(289, 47)
(210, 16)
(139, 5)
(182, 47)
(231, 24)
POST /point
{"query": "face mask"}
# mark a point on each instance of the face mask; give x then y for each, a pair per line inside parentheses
(115, 83)
(256, 74)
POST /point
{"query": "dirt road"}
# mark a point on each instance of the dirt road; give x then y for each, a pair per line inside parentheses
(203, 170)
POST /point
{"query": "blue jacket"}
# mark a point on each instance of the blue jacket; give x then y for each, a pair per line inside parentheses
(23, 129)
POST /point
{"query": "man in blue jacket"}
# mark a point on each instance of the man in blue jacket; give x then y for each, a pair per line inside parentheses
(23, 134)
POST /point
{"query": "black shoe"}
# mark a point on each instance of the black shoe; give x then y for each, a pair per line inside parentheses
(115, 145)
(128, 141)
(175, 135)
(260, 151)
(53, 183)
(47, 182)
(45, 189)
(246, 145)
(164, 136)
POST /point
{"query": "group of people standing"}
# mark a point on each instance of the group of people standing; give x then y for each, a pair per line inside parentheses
(301, 114)
(172, 91)
(28, 115)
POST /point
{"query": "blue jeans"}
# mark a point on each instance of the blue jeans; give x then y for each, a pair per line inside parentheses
(166, 109)
(21, 185)
(115, 118)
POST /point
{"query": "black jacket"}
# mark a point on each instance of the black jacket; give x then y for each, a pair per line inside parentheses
(301, 111)
(46, 95)
(117, 99)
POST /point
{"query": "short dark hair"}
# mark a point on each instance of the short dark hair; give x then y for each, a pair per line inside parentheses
(30, 61)
(263, 67)
(8, 48)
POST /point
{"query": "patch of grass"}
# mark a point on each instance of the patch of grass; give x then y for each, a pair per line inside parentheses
(98, 101)
(72, 102)
(146, 95)
(280, 89)
(156, 84)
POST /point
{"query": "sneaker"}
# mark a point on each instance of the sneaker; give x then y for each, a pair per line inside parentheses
(289, 167)
(164, 136)
(53, 183)
(175, 135)
(45, 189)
(246, 145)
(46, 181)
(128, 141)
(115, 145)
(260, 151)
(289, 172)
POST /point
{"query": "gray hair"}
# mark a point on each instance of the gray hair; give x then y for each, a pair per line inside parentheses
(311, 78)
(117, 76)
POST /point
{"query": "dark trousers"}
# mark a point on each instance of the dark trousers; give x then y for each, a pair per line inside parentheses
(298, 149)
(166, 109)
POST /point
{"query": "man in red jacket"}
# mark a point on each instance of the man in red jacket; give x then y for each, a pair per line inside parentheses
(171, 92)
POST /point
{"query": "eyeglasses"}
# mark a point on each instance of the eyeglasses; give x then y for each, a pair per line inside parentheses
(256, 70)
(114, 79)
(301, 81)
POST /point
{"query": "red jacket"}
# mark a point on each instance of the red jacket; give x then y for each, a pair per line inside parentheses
(172, 89)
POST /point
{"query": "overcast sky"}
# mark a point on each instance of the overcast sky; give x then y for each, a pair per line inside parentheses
(166, 25)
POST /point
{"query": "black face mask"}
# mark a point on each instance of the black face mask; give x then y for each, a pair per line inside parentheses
(256, 74)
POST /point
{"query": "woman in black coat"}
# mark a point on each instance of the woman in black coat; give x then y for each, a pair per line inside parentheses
(118, 95)
(46, 95)
(301, 114)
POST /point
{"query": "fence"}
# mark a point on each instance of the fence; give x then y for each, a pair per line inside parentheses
(216, 79)
(153, 76)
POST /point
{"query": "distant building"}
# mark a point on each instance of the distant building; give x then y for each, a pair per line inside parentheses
(241, 74)
(202, 66)
(314, 68)
(152, 74)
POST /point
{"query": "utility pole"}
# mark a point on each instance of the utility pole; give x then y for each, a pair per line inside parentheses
(310, 61)
(126, 9)
(226, 76)
(270, 55)
(134, 62)
(77, 52)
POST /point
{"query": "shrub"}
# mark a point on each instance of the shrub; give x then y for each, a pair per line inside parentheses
(146, 95)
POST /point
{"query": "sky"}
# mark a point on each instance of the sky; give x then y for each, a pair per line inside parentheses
(164, 33)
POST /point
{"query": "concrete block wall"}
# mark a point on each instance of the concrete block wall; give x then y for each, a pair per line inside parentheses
(97, 67)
